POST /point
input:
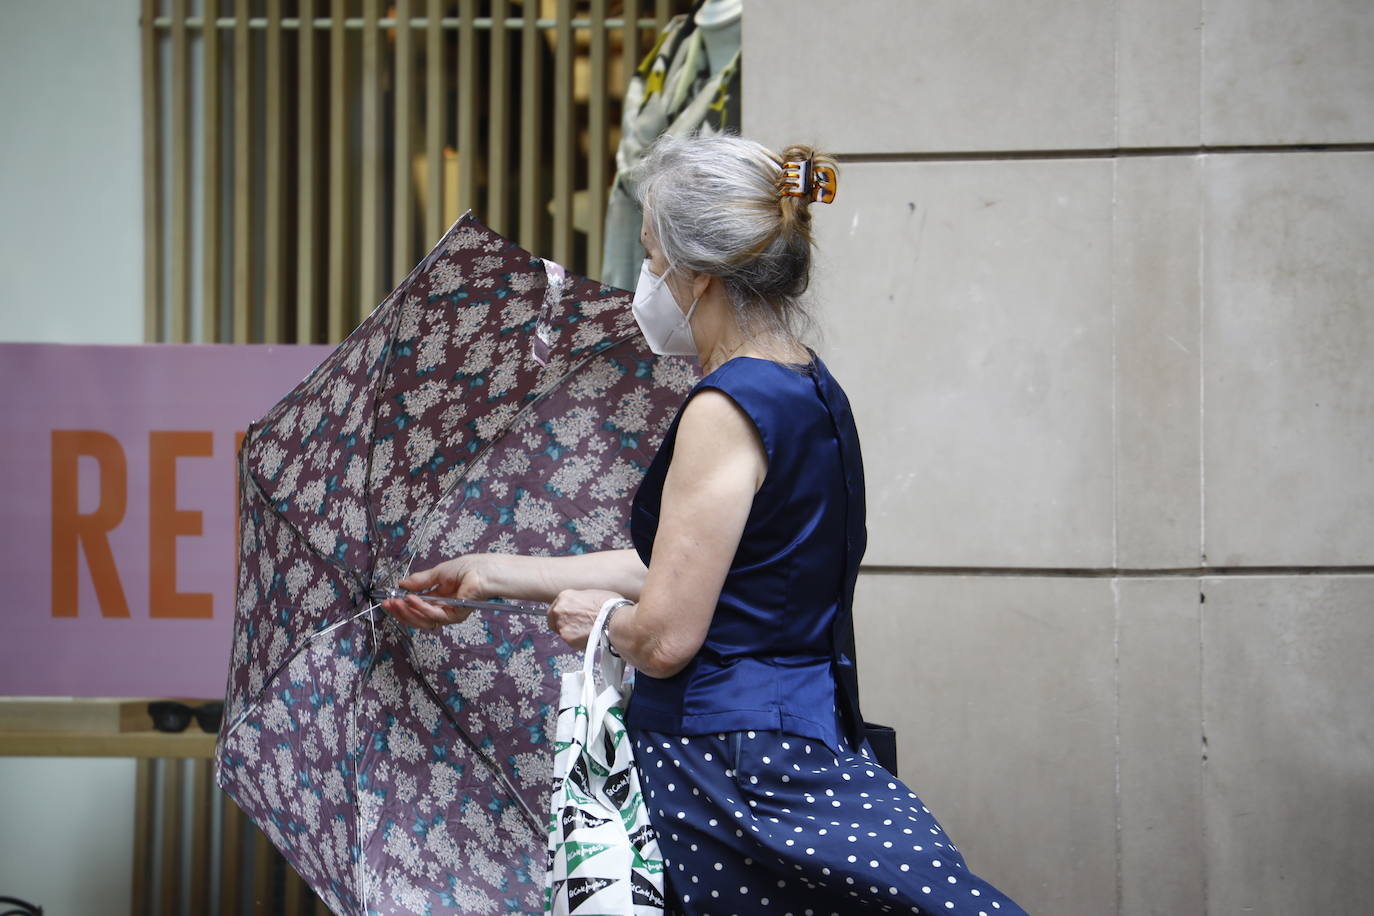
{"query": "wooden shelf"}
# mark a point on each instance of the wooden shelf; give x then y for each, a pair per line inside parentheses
(40, 727)
(189, 744)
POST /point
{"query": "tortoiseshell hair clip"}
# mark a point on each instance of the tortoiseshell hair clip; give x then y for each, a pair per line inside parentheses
(804, 178)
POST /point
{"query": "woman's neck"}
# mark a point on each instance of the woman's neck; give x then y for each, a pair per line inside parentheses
(720, 338)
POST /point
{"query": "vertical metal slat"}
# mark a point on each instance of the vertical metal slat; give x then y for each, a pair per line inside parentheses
(597, 159)
(231, 860)
(434, 123)
(274, 217)
(243, 187)
(370, 213)
(294, 892)
(307, 294)
(171, 837)
(403, 205)
(564, 149)
(143, 835)
(152, 178)
(662, 13)
(467, 105)
(262, 874)
(531, 123)
(629, 38)
(201, 778)
(338, 169)
(498, 120)
(212, 190)
(179, 303)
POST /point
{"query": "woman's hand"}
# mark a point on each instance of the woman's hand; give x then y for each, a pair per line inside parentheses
(574, 611)
(461, 577)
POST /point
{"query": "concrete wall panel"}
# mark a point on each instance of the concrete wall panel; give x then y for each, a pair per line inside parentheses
(1156, 252)
(882, 76)
(1160, 716)
(967, 311)
(1275, 71)
(1290, 744)
(71, 173)
(1001, 691)
(1158, 72)
(1289, 341)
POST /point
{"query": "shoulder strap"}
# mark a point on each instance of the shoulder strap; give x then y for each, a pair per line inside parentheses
(856, 539)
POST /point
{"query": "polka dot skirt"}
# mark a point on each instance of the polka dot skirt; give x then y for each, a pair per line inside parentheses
(759, 822)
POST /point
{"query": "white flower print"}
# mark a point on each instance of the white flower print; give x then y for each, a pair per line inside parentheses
(631, 414)
(422, 398)
(270, 460)
(573, 473)
(677, 375)
(592, 382)
(405, 744)
(478, 356)
(615, 484)
(572, 427)
(598, 527)
(527, 281)
(420, 447)
(533, 513)
(393, 507)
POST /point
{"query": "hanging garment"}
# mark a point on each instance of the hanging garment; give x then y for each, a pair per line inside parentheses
(673, 92)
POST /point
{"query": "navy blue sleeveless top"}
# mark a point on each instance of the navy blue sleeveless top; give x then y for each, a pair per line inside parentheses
(770, 658)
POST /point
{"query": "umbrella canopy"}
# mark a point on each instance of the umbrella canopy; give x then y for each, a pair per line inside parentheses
(491, 403)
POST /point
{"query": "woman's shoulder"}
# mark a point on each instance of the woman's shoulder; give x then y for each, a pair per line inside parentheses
(780, 400)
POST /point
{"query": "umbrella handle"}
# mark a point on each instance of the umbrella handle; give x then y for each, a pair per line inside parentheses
(518, 607)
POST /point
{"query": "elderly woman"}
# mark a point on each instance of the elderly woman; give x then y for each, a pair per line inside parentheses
(762, 793)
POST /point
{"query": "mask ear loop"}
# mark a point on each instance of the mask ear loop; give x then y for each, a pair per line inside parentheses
(687, 318)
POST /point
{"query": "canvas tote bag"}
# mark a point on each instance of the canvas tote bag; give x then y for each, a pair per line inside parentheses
(603, 854)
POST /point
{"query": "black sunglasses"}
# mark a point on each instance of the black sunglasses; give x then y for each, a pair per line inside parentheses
(171, 716)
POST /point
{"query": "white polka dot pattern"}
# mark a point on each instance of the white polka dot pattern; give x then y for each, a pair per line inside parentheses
(824, 832)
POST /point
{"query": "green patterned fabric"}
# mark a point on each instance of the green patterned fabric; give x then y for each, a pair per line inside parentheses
(603, 853)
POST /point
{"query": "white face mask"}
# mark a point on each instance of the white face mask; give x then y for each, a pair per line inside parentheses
(665, 327)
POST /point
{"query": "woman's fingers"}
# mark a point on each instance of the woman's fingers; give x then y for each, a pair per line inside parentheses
(420, 581)
(412, 612)
(574, 611)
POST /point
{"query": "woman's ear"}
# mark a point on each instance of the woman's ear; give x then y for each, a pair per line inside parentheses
(700, 283)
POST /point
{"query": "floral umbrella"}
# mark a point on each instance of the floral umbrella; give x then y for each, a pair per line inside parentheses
(491, 403)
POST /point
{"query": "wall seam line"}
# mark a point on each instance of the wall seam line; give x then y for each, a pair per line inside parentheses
(1141, 152)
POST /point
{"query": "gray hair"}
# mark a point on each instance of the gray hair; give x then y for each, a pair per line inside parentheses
(714, 205)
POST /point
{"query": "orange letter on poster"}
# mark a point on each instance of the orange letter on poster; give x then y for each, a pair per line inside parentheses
(166, 523)
(71, 527)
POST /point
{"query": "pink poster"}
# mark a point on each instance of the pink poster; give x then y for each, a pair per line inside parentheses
(118, 525)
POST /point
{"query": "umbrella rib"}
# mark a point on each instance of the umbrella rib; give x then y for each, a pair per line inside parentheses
(267, 502)
(476, 750)
(462, 477)
(250, 703)
(357, 766)
(372, 525)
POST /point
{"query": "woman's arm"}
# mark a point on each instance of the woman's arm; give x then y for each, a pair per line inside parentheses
(479, 576)
(718, 465)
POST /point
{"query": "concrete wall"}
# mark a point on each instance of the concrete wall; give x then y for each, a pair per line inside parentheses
(1098, 282)
(71, 173)
(71, 271)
